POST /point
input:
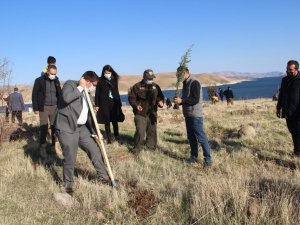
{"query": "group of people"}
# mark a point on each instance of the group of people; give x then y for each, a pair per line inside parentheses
(70, 118)
(67, 112)
(219, 95)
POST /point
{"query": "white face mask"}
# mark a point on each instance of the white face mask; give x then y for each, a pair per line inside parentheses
(149, 81)
(107, 76)
(92, 88)
(52, 77)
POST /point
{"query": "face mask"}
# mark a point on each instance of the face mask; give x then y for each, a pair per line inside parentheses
(92, 88)
(52, 77)
(149, 81)
(107, 76)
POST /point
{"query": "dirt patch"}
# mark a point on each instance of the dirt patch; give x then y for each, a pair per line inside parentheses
(119, 155)
(141, 200)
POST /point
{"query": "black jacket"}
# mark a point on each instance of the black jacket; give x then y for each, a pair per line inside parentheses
(228, 93)
(108, 108)
(289, 96)
(147, 96)
(38, 93)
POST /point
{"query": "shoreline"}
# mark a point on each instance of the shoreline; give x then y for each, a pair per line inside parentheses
(205, 85)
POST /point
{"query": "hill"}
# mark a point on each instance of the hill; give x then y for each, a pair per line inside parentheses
(165, 80)
(253, 179)
(168, 80)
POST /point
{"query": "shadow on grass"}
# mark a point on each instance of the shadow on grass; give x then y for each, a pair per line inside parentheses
(170, 133)
(176, 141)
(233, 146)
(172, 155)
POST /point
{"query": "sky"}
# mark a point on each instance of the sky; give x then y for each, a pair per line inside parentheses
(134, 35)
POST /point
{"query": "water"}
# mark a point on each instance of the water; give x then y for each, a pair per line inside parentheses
(258, 88)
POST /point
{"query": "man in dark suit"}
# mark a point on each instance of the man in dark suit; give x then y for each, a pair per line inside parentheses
(288, 105)
(74, 128)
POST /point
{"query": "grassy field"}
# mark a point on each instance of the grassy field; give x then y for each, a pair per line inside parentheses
(253, 180)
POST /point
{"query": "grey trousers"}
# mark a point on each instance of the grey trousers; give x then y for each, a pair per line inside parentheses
(70, 143)
(145, 126)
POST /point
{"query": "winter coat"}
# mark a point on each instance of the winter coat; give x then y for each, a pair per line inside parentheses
(109, 108)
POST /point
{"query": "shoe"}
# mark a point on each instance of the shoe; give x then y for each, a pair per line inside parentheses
(70, 191)
(192, 160)
(136, 152)
(103, 180)
(206, 165)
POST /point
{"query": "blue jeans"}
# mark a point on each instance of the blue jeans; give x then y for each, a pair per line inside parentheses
(195, 133)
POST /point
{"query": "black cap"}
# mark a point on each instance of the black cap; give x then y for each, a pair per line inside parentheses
(149, 74)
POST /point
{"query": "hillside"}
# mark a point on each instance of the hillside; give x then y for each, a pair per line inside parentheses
(253, 179)
(165, 80)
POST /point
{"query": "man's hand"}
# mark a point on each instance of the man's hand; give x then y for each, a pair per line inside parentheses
(177, 100)
(278, 113)
(139, 108)
(97, 108)
(36, 112)
(96, 137)
(83, 82)
(160, 104)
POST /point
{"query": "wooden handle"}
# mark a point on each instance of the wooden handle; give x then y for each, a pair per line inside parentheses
(100, 140)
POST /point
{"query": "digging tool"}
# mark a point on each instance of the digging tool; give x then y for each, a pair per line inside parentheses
(100, 139)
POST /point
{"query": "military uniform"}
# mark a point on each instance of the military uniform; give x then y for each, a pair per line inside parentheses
(147, 96)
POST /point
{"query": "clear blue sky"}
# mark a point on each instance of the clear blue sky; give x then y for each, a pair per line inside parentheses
(246, 36)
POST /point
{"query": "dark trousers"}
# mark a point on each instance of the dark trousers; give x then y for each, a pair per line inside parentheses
(108, 131)
(7, 114)
(195, 133)
(293, 125)
(145, 126)
(45, 117)
(69, 143)
(17, 114)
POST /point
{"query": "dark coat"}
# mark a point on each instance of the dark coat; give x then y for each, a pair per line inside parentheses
(109, 109)
(146, 96)
(289, 97)
(38, 93)
(228, 93)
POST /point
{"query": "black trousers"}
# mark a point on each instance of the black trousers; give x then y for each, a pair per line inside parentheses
(17, 114)
(108, 131)
(293, 125)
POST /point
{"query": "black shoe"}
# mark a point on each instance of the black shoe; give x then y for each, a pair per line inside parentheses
(70, 191)
(192, 160)
(206, 165)
(103, 180)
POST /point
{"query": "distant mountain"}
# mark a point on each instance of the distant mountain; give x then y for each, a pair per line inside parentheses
(249, 75)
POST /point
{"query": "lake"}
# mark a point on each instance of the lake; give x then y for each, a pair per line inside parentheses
(258, 88)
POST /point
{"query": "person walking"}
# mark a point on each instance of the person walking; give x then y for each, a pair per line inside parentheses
(288, 105)
(229, 96)
(46, 94)
(144, 97)
(191, 102)
(16, 106)
(221, 94)
(108, 102)
(74, 128)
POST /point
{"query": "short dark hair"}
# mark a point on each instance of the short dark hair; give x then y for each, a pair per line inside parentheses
(183, 69)
(293, 62)
(51, 60)
(16, 89)
(90, 76)
(51, 67)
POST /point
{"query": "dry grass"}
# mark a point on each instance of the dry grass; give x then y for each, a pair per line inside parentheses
(252, 181)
